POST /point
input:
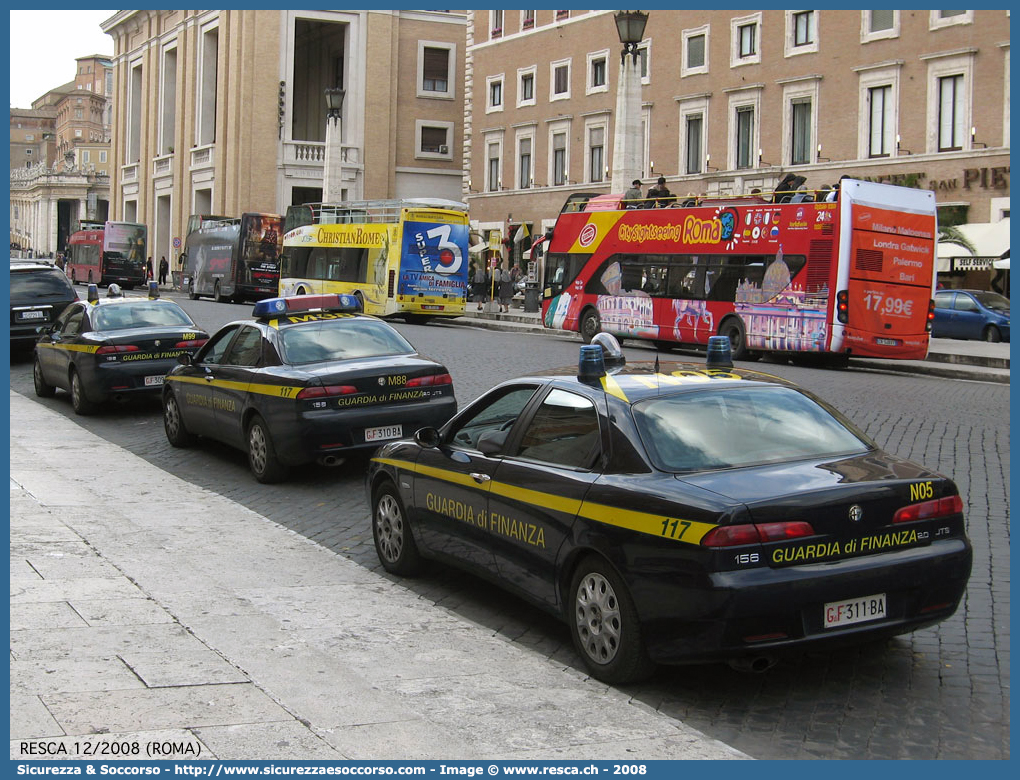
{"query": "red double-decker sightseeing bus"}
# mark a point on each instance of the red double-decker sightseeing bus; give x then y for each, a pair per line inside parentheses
(791, 272)
(109, 252)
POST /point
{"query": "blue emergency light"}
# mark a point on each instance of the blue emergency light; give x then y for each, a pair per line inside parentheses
(719, 354)
(93, 293)
(591, 365)
(153, 290)
(296, 304)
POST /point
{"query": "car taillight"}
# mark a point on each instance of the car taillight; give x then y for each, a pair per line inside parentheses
(931, 315)
(843, 306)
(926, 510)
(328, 391)
(117, 348)
(430, 381)
(751, 533)
(189, 344)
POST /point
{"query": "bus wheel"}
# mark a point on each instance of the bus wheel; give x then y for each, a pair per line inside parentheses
(590, 325)
(361, 300)
(733, 329)
(301, 291)
(220, 298)
(191, 290)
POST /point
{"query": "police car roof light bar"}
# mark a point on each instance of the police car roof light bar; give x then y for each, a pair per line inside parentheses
(274, 307)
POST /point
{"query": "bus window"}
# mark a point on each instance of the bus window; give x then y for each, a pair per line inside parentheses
(561, 269)
(683, 279)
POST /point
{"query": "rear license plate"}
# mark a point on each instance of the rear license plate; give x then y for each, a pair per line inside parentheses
(384, 432)
(431, 307)
(845, 613)
(153, 380)
(31, 315)
(886, 342)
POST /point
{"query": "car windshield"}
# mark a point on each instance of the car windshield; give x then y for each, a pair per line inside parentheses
(740, 427)
(40, 283)
(993, 301)
(342, 339)
(140, 314)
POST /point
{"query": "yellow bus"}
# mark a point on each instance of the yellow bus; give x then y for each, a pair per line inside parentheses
(406, 258)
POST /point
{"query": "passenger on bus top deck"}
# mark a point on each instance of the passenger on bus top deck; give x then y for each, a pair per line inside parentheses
(632, 197)
(663, 197)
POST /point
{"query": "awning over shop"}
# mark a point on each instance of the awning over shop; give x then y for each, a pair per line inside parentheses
(990, 241)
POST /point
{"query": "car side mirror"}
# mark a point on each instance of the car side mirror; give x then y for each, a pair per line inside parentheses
(184, 359)
(427, 438)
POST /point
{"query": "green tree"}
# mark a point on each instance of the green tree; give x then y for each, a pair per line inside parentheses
(952, 235)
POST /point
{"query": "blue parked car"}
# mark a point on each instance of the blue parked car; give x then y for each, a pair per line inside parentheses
(971, 314)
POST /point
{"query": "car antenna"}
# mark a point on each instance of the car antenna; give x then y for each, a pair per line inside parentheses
(656, 368)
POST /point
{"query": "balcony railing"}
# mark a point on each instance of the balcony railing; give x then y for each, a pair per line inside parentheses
(314, 153)
(129, 172)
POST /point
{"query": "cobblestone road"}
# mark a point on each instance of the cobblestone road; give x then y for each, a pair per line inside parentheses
(938, 693)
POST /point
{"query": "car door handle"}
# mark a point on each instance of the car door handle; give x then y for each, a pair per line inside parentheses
(481, 479)
(209, 377)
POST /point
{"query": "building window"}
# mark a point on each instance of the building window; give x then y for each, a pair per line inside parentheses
(598, 72)
(559, 159)
(644, 61)
(496, 24)
(527, 20)
(745, 136)
(492, 174)
(800, 150)
(434, 139)
(495, 92)
(879, 25)
(745, 32)
(951, 126)
(524, 163)
(695, 52)
(435, 69)
(102, 157)
(562, 14)
(693, 130)
(880, 124)
(560, 81)
(526, 87)
(77, 113)
(940, 19)
(85, 156)
(596, 153)
(803, 28)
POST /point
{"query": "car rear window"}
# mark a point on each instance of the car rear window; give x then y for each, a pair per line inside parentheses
(141, 314)
(741, 427)
(40, 283)
(342, 339)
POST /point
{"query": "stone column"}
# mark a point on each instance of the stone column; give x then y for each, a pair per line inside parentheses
(627, 163)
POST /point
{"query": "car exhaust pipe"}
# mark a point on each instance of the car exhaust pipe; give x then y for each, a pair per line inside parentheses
(331, 460)
(757, 665)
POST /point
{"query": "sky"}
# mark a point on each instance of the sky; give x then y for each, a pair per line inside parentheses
(44, 45)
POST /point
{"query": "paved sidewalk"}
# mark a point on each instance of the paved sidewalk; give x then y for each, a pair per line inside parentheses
(147, 611)
(951, 358)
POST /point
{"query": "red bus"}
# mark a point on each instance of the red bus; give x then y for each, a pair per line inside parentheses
(787, 273)
(107, 253)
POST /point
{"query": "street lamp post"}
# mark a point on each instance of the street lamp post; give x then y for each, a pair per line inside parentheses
(630, 25)
(332, 174)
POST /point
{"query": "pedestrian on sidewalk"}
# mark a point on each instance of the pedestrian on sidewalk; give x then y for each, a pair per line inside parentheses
(164, 267)
(481, 283)
(505, 287)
